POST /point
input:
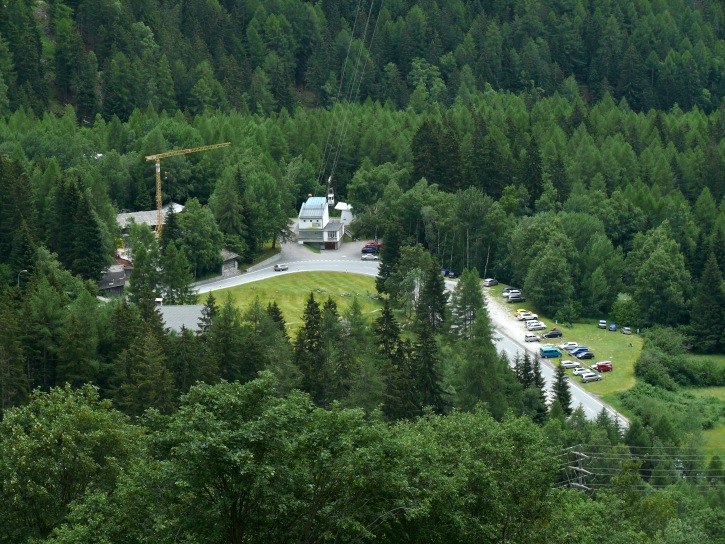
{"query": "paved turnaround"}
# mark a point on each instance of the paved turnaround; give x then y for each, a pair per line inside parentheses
(348, 260)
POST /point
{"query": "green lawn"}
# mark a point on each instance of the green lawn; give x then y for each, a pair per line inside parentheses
(290, 291)
(714, 441)
(717, 392)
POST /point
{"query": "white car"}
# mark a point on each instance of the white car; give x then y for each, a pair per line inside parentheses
(490, 282)
(531, 338)
(581, 371)
(568, 345)
(369, 257)
(570, 364)
(535, 326)
(523, 316)
(280, 267)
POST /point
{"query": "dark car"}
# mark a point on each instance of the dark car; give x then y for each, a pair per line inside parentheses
(556, 333)
(579, 349)
(449, 273)
(612, 327)
(370, 249)
(584, 355)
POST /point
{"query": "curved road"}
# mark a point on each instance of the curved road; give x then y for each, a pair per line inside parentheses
(348, 260)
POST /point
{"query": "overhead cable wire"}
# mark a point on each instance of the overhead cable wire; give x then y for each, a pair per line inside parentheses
(325, 155)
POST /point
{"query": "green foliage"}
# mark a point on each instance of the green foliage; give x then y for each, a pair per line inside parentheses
(61, 444)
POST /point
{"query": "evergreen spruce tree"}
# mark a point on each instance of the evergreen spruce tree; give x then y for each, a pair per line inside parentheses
(426, 371)
(308, 355)
(433, 301)
(150, 382)
(708, 309)
(89, 252)
(14, 385)
(400, 399)
(275, 313)
(208, 313)
(171, 231)
(389, 255)
(561, 391)
(387, 331)
(176, 277)
(467, 302)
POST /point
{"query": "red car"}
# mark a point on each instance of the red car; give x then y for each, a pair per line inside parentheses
(602, 366)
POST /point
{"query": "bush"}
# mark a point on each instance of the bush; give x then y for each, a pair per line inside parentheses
(651, 368)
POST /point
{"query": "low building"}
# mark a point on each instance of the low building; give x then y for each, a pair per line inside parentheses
(230, 264)
(314, 226)
(186, 316)
(149, 217)
(115, 279)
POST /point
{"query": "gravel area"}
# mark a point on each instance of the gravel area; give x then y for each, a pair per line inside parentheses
(501, 314)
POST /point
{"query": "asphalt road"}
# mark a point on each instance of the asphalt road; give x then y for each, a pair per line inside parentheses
(302, 260)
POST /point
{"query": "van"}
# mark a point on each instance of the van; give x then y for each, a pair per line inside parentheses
(549, 352)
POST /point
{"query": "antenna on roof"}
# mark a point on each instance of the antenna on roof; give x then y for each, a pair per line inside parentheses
(330, 193)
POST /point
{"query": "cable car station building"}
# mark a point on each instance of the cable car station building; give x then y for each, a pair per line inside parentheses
(314, 226)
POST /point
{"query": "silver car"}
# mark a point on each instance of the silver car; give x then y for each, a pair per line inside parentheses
(590, 377)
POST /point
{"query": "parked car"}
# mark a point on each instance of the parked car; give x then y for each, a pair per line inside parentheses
(531, 317)
(602, 366)
(490, 282)
(520, 311)
(581, 370)
(570, 364)
(612, 327)
(508, 290)
(625, 330)
(549, 352)
(370, 249)
(369, 257)
(449, 273)
(512, 293)
(554, 333)
(590, 377)
(517, 298)
(535, 326)
(584, 355)
(602, 324)
(280, 267)
(569, 345)
(531, 338)
(578, 349)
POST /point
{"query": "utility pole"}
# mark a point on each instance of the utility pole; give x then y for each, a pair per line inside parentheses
(580, 470)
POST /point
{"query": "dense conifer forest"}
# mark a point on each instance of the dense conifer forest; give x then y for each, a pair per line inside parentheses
(573, 148)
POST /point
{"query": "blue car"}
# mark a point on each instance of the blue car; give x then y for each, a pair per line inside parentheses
(580, 349)
(612, 327)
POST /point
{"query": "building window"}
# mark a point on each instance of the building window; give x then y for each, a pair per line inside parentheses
(332, 235)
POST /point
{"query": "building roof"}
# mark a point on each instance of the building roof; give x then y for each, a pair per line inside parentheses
(228, 255)
(343, 207)
(175, 317)
(334, 224)
(314, 208)
(112, 278)
(147, 217)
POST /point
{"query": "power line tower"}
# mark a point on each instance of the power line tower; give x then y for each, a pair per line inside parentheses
(157, 159)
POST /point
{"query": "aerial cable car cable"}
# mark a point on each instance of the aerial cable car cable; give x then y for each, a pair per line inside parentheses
(346, 123)
(325, 154)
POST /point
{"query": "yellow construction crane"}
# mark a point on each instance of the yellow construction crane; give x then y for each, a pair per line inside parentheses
(157, 159)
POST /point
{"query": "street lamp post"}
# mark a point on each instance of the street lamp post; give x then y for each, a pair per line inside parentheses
(21, 272)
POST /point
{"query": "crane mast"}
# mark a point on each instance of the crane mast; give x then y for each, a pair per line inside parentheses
(157, 159)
